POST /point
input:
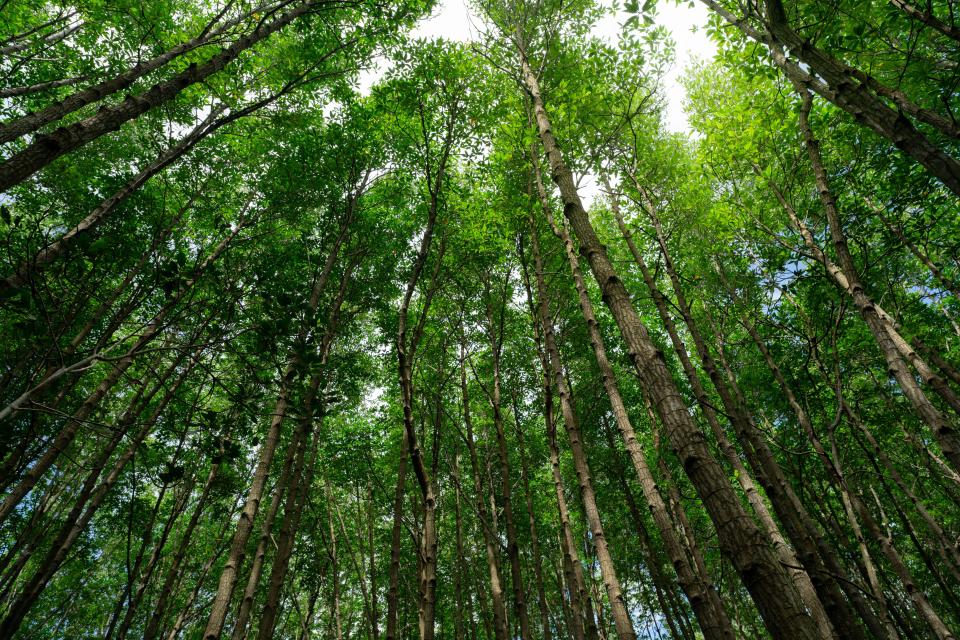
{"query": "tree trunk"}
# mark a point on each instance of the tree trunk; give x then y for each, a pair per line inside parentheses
(513, 549)
(266, 533)
(501, 625)
(704, 600)
(608, 571)
(546, 631)
(393, 594)
(740, 540)
(166, 590)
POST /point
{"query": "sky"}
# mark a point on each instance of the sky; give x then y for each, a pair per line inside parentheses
(452, 20)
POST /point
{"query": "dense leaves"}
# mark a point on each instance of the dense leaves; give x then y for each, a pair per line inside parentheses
(286, 356)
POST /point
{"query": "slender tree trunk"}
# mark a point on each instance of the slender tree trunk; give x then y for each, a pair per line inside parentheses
(406, 349)
(608, 571)
(513, 549)
(166, 590)
(535, 550)
(335, 616)
(704, 600)
(500, 624)
(185, 610)
(230, 572)
(740, 540)
(461, 563)
(374, 613)
(302, 480)
(266, 532)
(581, 608)
(393, 594)
(675, 617)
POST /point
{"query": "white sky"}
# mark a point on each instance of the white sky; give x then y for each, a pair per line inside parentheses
(452, 20)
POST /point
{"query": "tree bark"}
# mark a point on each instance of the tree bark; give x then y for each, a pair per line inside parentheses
(703, 598)
(166, 590)
(228, 576)
(740, 540)
(500, 623)
(513, 549)
(535, 550)
(618, 606)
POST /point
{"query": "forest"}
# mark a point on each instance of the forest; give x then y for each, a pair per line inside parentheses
(483, 350)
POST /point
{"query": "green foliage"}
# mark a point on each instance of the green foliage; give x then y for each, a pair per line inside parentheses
(255, 282)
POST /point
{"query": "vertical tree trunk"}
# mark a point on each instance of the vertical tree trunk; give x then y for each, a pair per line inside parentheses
(374, 614)
(461, 560)
(608, 571)
(513, 549)
(245, 609)
(166, 590)
(228, 576)
(535, 550)
(393, 578)
(704, 600)
(500, 624)
(777, 599)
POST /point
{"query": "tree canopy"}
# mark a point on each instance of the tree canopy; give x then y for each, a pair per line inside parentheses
(286, 356)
